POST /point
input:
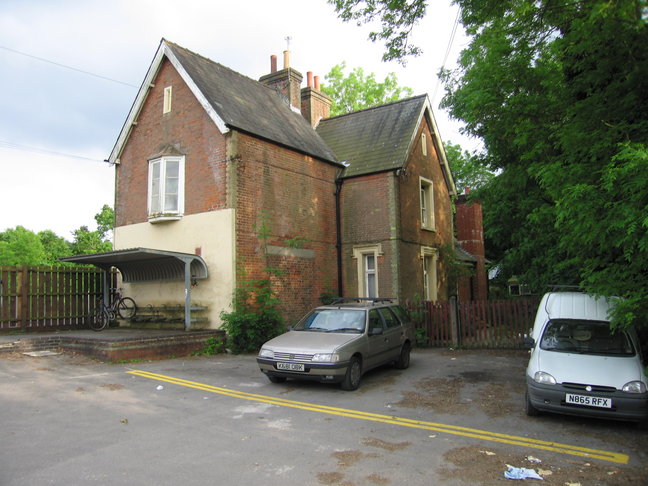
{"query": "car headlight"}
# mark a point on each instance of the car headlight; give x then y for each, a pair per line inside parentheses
(634, 387)
(544, 378)
(326, 357)
(266, 353)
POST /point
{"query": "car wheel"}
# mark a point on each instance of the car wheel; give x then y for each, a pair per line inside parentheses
(403, 360)
(276, 379)
(353, 374)
(530, 410)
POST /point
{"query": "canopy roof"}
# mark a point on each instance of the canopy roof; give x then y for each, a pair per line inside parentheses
(146, 264)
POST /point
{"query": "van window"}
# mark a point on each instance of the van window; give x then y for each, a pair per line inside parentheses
(585, 337)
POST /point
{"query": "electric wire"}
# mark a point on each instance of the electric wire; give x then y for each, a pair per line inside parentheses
(447, 52)
(27, 148)
(68, 67)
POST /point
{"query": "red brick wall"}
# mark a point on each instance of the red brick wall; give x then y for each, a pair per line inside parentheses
(470, 233)
(293, 195)
(385, 208)
(190, 131)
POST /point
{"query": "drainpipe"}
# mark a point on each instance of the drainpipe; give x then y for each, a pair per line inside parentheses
(338, 227)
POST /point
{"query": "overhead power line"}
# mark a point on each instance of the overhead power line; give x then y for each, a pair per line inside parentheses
(68, 67)
(447, 52)
(37, 150)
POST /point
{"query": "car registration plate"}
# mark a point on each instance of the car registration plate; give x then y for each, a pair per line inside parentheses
(290, 366)
(588, 401)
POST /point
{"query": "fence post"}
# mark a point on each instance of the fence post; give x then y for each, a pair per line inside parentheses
(23, 305)
(454, 321)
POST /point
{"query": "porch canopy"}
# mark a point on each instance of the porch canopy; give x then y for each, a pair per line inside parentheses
(149, 265)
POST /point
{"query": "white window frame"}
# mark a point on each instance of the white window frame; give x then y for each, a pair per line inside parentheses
(424, 144)
(429, 259)
(165, 214)
(426, 199)
(168, 95)
(361, 254)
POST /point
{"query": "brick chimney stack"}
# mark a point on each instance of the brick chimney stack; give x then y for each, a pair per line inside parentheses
(286, 81)
(315, 105)
(470, 234)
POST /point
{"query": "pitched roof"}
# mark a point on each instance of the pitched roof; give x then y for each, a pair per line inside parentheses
(233, 101)
(375, 139)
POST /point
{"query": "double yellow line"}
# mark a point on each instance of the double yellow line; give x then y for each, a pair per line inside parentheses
(403, 422)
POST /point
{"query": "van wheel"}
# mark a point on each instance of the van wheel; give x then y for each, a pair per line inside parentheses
(530, 410)
(353, 374)
(403, 360)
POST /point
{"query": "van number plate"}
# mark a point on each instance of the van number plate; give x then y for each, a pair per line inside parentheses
(290, 366)
(589, 401)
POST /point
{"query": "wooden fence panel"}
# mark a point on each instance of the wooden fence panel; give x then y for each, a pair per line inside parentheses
(480, 324)
(44, 298)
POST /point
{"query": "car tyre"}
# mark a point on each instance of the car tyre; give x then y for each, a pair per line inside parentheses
(530, 410)
(276, 379)
(403, 360)
(353, 374)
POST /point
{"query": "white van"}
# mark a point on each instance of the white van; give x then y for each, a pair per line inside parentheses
(579, 367)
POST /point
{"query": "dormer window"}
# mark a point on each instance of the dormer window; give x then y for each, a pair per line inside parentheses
(166, 108)
(166, 188)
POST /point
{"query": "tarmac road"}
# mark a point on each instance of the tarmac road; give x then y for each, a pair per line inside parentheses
(452, 418)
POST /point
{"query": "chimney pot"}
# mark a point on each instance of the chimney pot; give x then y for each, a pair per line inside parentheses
(317, 83)
(286, 59)
(273, 64)
(309, 79)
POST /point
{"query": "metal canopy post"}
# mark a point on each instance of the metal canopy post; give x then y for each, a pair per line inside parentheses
(187, 278)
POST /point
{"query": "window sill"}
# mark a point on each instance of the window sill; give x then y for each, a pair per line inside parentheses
(428, 228)
(163, 218)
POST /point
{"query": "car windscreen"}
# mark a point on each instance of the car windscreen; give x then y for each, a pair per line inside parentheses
(585, 337)
(333, 320)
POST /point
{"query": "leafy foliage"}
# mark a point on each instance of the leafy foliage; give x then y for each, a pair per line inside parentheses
(358, 91)
(467, 169)
(396, 17)
(557, 91)
(20, 246)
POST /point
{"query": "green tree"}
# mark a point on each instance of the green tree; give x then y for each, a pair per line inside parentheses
(98, 241)
(55, 247)
(557, 92)
(468, 169)
(20, 246)
(358, 91)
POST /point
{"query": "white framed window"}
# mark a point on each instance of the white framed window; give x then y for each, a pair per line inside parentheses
(424, 144)
(367, 267)
(166, 106)
(427, 204)
(166, 188)
(429, 257)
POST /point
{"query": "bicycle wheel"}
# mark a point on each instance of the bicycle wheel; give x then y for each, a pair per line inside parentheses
(99, 319)
(126, 308)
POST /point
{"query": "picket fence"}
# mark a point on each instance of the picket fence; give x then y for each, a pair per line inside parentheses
(47, 298)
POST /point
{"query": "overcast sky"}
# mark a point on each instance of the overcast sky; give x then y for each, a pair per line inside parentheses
(58, 124)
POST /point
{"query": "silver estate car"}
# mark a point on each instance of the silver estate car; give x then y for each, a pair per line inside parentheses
(337, 343)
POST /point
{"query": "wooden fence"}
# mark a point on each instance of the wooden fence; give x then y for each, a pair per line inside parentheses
(46, 298)
(475, 324)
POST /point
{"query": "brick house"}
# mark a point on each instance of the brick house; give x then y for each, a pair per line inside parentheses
(248, 174)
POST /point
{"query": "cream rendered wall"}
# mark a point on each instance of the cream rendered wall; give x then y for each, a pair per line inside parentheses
(213, 233)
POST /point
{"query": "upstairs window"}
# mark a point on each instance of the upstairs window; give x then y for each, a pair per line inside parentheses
(166, 106)
(424, 144)
(166, 188)
(427, 204)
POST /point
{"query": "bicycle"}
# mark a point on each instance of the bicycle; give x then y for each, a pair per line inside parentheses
(124, 307)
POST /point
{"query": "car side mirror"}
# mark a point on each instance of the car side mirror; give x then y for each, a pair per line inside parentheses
(529, 342)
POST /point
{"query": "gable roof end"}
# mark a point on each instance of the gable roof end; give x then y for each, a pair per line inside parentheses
(232, 101)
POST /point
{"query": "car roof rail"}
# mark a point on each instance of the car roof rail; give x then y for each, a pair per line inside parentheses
(374, 300)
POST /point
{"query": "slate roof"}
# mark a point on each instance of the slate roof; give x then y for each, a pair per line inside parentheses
(376, 139)
(239, 102)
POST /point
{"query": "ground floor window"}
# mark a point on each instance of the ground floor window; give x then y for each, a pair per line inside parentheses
(367, 269)
(429, 256)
